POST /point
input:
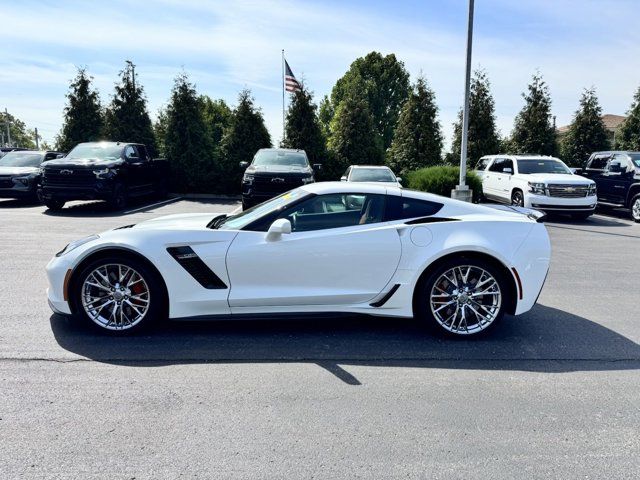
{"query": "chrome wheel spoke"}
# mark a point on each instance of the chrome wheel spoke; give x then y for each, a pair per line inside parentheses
(115, 296)
(465, 299)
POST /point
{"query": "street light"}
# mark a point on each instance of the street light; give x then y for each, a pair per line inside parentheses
(462, 191)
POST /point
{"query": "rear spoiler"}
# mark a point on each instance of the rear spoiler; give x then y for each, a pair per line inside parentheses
(536, 215)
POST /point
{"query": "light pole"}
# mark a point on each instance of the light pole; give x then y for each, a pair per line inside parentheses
(462, 191)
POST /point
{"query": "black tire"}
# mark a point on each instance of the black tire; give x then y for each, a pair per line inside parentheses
(634, 208)
(517, 198)
(54, 204)
(246, 205)
(118, 200)
(424, 310)
(581, 216)
(155, 313)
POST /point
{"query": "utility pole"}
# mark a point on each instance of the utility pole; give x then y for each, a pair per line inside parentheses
(8, 124)
(37, 140)
(462, 191)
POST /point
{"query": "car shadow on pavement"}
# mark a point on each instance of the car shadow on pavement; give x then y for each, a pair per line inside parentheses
(544, 340)
(19, 203)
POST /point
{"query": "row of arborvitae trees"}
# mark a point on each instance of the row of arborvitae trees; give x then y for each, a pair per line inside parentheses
(204, 139)
(372, 116)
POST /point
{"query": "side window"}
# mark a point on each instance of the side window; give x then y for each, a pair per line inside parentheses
(507, 164)
(130, 152)
(482, 164)
(497, 165)
(599, 162)
(400, 208)
(142, 152)
(335, 211)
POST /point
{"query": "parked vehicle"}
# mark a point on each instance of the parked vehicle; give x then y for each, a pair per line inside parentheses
(540, 182)
(371, 173)
(20, 172)
(274, 171)
(5, 150)
(617, 175)
(111, 171)
(324, 247)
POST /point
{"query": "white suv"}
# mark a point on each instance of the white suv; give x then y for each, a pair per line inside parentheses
(535, 181)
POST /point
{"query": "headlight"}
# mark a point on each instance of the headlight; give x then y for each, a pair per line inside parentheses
(593, 189)
(104, 173)
(76, 244)
(247, 178)
(537, 188)
(308, 179)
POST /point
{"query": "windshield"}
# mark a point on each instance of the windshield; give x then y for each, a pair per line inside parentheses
(542, 166)
(101, 151)
(635, 158)
(278, 157)
(372, 175)
(241, 220)
(21, 159)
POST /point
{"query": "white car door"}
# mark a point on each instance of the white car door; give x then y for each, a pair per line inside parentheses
(338, 252)
(491, 179)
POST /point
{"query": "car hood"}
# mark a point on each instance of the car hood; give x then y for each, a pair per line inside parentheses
(557, 178)
(83, 163)
(18, 170)
(290, 169)
(181, 221)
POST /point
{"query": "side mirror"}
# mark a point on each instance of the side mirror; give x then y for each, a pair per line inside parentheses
(507, 170)
(343, 178)
(244, 164)
(278, 228)
(317, 167)
(399, 179)
(60, 155)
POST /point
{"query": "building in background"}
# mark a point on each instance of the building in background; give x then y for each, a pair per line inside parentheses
(611, 122)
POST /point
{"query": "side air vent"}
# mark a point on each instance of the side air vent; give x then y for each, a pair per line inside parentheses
(386, 297)
(190, 261)
(125, 226)
(430, 220)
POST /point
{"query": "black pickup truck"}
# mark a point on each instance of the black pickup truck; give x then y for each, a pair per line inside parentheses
(617, 176)
(111, 171)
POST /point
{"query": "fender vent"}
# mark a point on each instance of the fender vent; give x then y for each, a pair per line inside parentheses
(386, 297)
(193, 264)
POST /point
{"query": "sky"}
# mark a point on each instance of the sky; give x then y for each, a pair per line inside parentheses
(226, 46)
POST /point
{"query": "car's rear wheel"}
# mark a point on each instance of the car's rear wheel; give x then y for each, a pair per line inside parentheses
(635, 209)
(54, 204)
(517, 198)
(462, 297)
(119, 296)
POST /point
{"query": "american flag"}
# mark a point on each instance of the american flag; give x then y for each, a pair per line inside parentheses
(290, 82)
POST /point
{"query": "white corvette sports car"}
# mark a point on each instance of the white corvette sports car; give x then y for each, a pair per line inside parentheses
(320, 249)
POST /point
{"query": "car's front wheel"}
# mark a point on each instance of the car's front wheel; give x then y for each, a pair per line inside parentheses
(462, 297)
(517, 198)
(635, 209)
(54, 204)
(118, 296)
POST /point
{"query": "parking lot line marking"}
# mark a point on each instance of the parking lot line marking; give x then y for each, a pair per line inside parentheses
(237, 210)
(170, 200)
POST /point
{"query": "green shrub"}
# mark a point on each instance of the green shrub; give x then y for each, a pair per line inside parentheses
(441, 180)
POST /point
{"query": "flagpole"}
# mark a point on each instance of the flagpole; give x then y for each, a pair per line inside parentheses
(283, 94)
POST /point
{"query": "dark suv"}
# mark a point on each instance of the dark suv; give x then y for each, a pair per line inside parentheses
(20, 172)
(274, 171)
(111, 171)
(617, 176)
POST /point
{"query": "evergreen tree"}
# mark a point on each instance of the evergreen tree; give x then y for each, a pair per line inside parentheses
(127, 119)
(83, 114)
(353, 140)
(587, 132)
(302, 128)
(629, 136)
(20, 135)
(186, 142)
(325, 114)
(246, 135)
(217, 116)
(417, 141)
(533, 130)
(483, 136)
(160, 131)
(384, 82)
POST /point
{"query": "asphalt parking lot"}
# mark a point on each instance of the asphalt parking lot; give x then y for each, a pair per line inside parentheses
(554, 393)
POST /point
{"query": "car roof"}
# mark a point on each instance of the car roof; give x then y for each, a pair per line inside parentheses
(371, 166)
(522, 156)
(614, 152)
(292, 150)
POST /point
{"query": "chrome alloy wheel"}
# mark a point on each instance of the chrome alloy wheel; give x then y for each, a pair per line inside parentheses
(115, 296)
(465, 299)
(635, 209)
